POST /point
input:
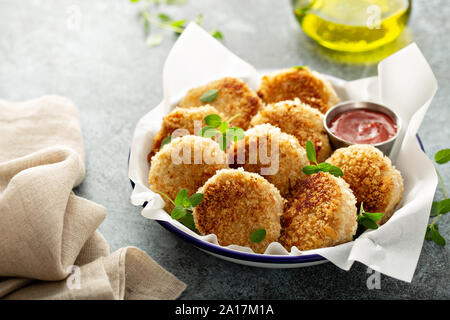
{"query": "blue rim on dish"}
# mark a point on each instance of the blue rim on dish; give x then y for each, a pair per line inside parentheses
(251, 257)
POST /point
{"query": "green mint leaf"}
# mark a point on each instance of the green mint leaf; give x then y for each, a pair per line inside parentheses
(300, 67)
(178, 23)
(235, 134)
(366, 222)
(428, 233)
(310, 169)
(209, 96)
(442, 156)
(196, 199)
(258, 235)
(207, 132)
(134, 0)
(181, 197)
(213, 120)
(223, 127)
(187, 203)
(336, 171)
(311, 152)
(164, 17)
(178, 212)
(166, 140)
(188, 221)
(434, 209)
(436, 236)
(216, 34)
(443, 207)
(325, 167)
(363, 216)
(374, 216)
(154, 40)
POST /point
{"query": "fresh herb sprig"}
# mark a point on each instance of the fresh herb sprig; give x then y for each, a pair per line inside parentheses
(215, 126)
(209, 96)
(368, 219)
(439, 208)
(258, 235)
(317, 167)
(163, 21)
(166, 140)
(300, 67)
(184, 206)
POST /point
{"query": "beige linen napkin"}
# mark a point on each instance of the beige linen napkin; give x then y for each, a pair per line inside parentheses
(49, 246)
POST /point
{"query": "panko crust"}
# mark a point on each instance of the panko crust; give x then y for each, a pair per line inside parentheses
(181, 118)
(309, 86)
(235, 204)
(283, 167)
(372, 177)
(169, 177)
(320, 213)
(235, 97)
(300, 120)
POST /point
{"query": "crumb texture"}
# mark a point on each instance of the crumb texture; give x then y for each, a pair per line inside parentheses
(321, 212)
(235, 204)
(180, 118)
(275, 155)
(372, 177)
(235, 97)
(168, 176)
(309, 86)
(301, 121)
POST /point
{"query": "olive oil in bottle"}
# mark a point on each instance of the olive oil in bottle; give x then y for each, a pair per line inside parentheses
(352, 25)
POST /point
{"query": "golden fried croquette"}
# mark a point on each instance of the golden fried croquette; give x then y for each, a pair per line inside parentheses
(235, 204)
(299, 120)
(181, 118)
(320, 213)
(186, 162)
(309, 86)
(275, 155)
(235, 97)
(372, 177)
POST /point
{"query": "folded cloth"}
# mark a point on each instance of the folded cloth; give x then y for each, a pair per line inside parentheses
(49, 246)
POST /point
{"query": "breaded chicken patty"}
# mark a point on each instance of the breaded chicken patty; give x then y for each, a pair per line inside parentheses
(320, 213)
(184, 119)
(275, 155)
(234, 97)
(309, 86)
(300, 120)
(372, 177)
(186, 162)
(237, 203)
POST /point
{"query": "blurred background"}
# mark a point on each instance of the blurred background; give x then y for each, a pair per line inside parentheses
(98, 54)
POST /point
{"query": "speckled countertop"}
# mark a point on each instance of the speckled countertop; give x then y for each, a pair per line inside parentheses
(105, 67)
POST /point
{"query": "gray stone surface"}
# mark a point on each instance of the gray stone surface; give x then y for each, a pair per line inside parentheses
(108, 71)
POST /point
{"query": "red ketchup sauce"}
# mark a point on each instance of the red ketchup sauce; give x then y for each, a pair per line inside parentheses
(363, 126)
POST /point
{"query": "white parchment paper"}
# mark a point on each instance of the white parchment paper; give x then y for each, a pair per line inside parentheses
(405, 83)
